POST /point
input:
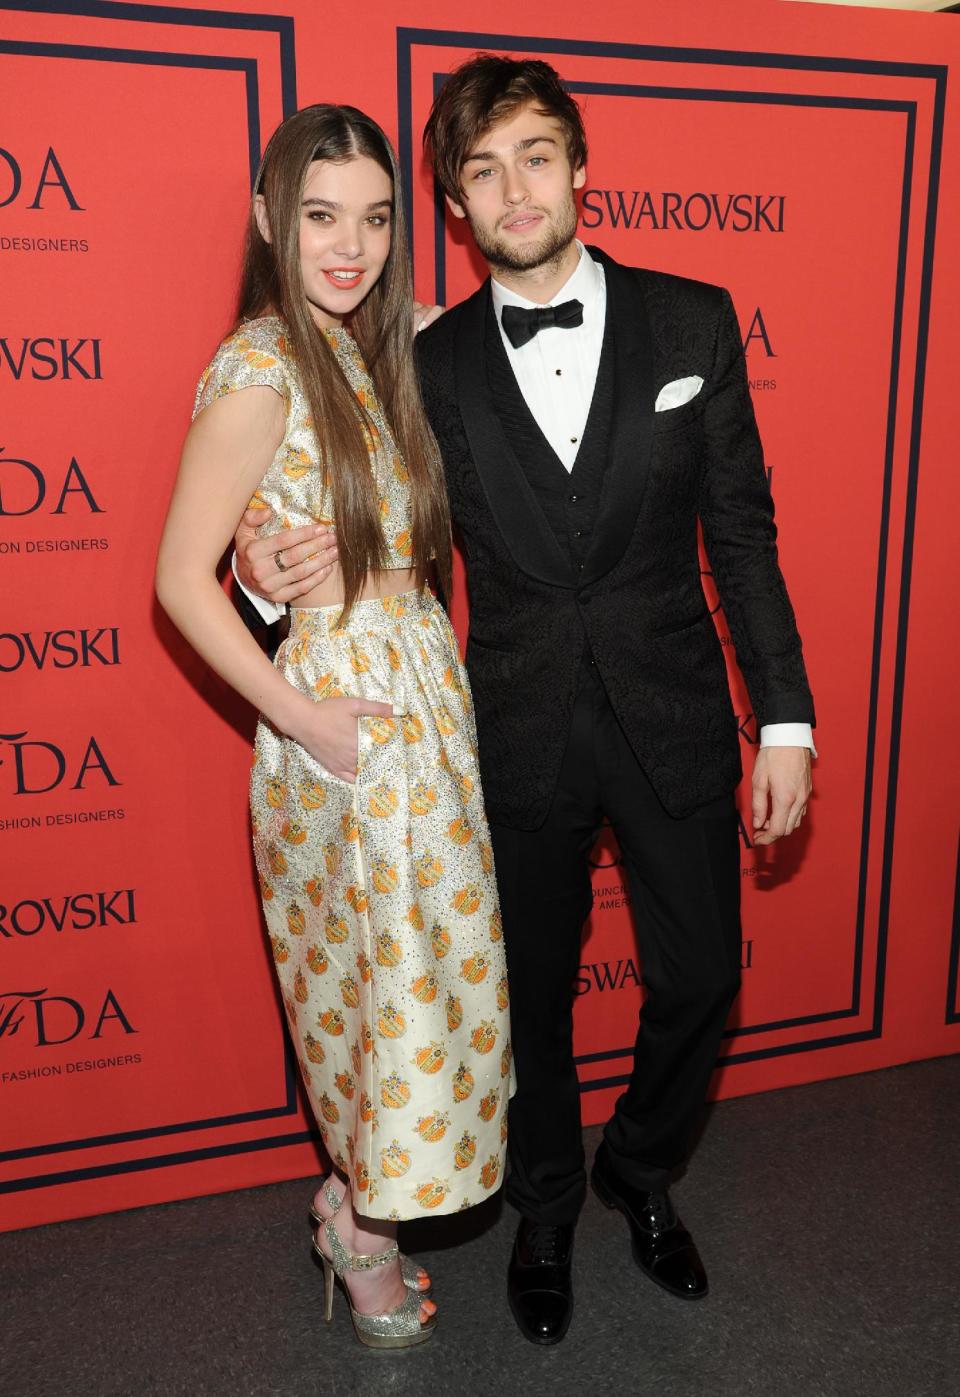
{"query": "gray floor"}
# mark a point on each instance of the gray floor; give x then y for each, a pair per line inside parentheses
(828, 1217)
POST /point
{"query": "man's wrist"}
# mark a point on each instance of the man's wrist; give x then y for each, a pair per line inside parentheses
(787, 735)
(270, 611)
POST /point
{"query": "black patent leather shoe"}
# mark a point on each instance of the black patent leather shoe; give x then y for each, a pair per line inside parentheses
(538, 1282)
(662, 1246)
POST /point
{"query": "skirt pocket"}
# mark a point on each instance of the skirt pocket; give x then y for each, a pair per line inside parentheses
(381, 786)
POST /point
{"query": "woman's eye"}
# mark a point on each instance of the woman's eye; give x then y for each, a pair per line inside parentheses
(318, 216)
(378, 220)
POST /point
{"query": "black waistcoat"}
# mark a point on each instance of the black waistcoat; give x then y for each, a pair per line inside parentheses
(570, 500)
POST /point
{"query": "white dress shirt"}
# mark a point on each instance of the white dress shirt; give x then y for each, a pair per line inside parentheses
(557, 373)
(557, 369)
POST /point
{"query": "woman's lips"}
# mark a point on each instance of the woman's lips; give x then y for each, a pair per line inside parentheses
(344, 278)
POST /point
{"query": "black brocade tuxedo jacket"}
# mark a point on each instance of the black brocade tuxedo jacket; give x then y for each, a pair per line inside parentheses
(635, 600)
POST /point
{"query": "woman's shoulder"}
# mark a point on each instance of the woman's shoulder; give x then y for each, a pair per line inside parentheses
(251, 340)
(253, 355)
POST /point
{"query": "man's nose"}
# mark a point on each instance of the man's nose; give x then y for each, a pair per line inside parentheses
(515, 187)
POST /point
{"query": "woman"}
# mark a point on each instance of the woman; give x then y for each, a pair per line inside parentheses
(370, 837)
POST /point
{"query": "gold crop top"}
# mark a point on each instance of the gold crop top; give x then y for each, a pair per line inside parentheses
(295, 486)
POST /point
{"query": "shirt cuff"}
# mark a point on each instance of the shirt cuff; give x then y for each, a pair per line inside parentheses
(787, 735)
(271, 612)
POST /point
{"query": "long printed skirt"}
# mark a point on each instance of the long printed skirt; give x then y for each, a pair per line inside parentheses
(381, 905)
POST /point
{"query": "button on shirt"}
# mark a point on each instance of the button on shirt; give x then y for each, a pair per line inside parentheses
(557, 369)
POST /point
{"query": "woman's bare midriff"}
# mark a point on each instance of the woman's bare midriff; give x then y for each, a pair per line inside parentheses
(376, 584)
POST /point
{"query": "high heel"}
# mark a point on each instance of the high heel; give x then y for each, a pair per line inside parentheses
(409, 1269)
(328, 1281)
(399, 1328)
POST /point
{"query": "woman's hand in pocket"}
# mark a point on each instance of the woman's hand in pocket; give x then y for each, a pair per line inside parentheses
(328, 731)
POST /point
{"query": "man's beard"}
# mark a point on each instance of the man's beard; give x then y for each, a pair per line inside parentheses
(550, 248)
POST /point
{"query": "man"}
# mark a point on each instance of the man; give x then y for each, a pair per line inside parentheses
(589, 415)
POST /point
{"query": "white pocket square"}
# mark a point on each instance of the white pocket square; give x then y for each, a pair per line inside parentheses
(675, 394)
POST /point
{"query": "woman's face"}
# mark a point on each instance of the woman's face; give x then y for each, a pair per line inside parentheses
(345, 227)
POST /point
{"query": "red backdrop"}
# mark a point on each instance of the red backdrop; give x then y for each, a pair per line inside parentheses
(799, 155)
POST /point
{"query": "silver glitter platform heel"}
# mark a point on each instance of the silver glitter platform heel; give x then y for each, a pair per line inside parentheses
(409, 1269)
(400, 1328)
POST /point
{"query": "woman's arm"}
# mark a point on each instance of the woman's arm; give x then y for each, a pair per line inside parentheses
(226, 455)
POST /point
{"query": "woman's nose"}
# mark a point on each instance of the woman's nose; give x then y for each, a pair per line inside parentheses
(349, 242)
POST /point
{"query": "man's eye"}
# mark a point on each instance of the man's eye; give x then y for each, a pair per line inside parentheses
(481, 174)
(537, 160)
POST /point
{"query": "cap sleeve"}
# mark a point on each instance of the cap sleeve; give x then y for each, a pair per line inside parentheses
(252, 357)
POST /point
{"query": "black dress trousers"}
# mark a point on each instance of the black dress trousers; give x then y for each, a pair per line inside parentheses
(684, 882)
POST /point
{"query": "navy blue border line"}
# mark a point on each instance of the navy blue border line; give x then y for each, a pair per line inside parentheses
(854, 1008)
(156, 59)
(876, 1028)
(938, 74)
(408, 39)
(953, 972)
(600, 89)
(160, 1161)
(846, 103)
(249, 67)
(281, 25)
(289, 1108)
(784, 1050)
(662, 53)
(910, 511)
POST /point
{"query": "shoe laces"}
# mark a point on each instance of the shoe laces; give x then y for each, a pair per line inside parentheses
(545, 1244)
(660, 1211)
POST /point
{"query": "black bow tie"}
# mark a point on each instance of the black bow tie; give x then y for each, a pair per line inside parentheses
(521, 325)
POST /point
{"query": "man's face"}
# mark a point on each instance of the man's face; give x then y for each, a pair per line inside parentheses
(518, 192)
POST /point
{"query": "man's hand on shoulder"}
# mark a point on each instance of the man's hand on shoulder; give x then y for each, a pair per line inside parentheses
(424, 315)
(782, 785)
(284, 566)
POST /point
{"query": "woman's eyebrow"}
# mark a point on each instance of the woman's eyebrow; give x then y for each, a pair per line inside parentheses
(338, 208)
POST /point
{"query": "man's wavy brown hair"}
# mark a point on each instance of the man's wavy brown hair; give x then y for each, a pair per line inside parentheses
(485, 90)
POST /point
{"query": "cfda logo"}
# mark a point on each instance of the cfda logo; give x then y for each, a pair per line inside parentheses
(40, 766)
(35, 182)
(51, 1020)
(758, 334)
(26, 488)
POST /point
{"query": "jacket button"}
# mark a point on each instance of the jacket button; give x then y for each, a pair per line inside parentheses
(574, 499)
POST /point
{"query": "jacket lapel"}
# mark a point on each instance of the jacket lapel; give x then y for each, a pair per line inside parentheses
(631, 435)
(512, 502)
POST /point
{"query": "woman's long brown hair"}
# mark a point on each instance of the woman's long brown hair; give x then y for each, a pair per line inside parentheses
(271, 283)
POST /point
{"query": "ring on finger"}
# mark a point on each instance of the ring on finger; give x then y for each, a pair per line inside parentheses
(278, 559)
